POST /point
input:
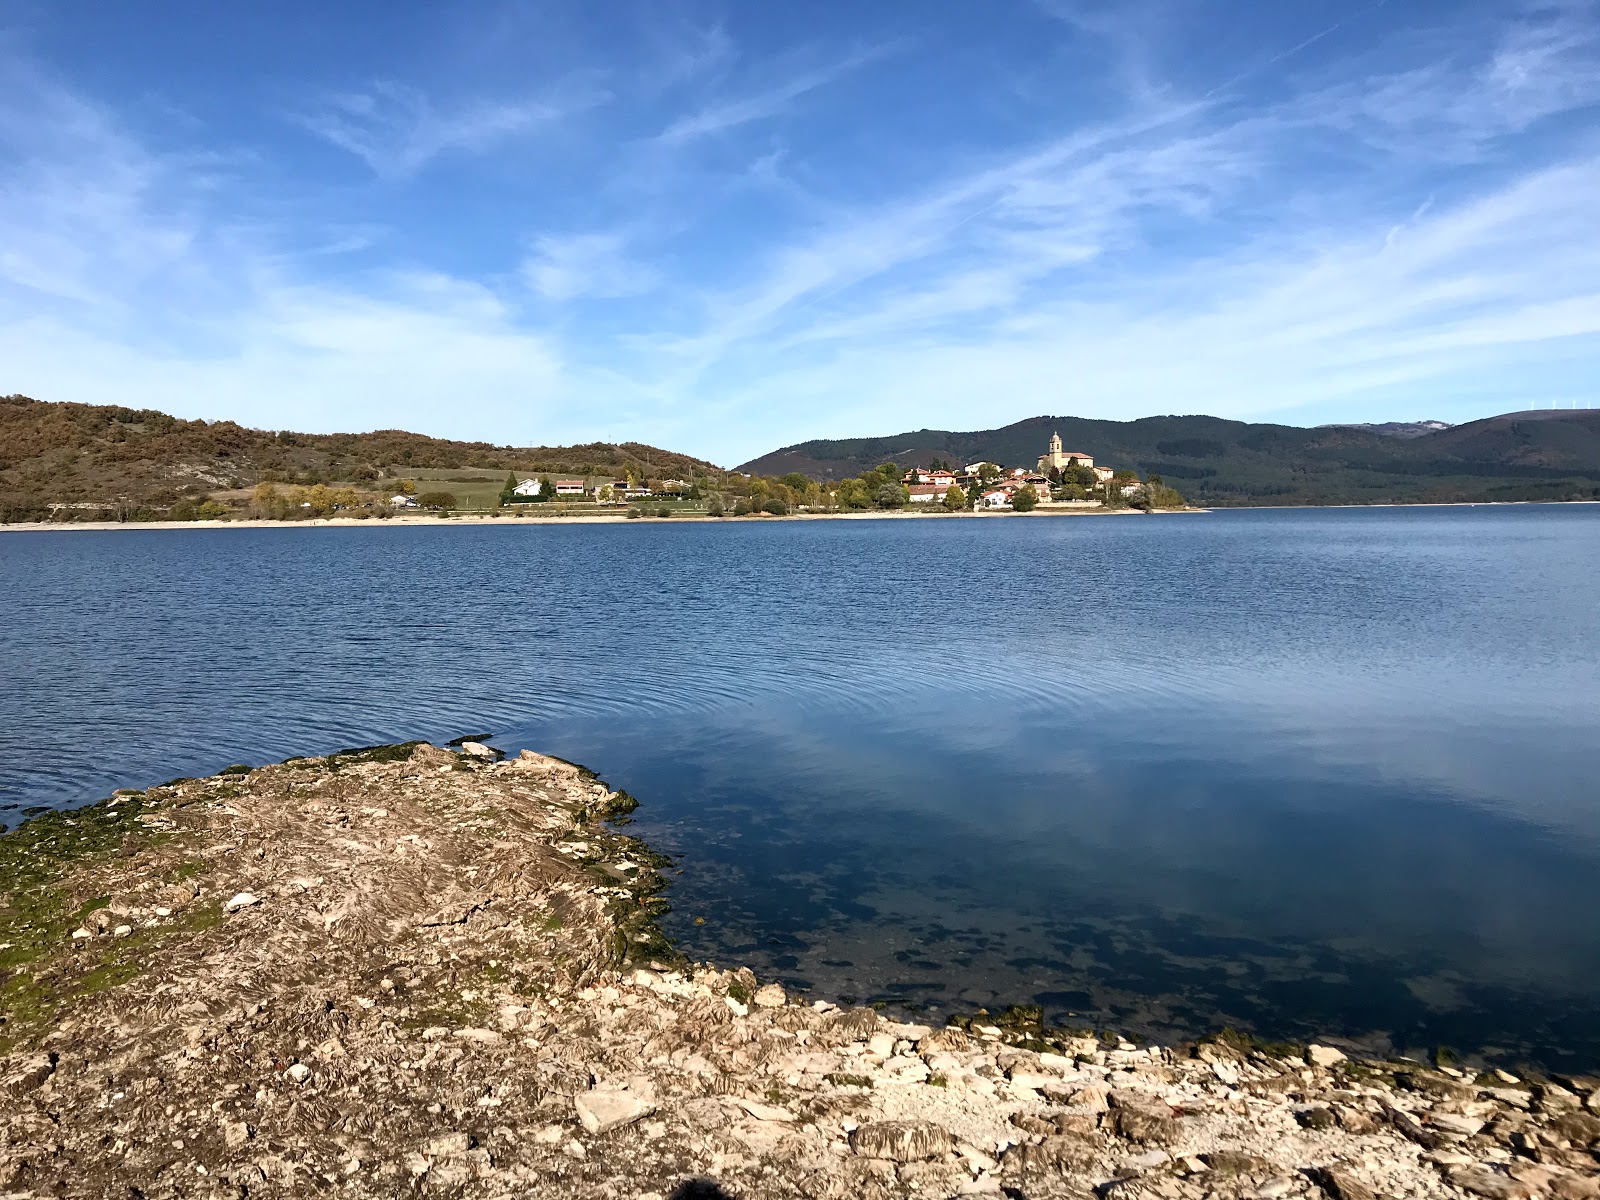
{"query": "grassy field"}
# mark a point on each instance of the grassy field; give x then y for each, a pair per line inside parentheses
(479, 491)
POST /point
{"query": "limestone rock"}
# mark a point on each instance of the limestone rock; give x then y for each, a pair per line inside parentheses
(1323, 1056)
(241, 900)
(604, 1109)
(31, 1072)
(771, 996)
(901, 1141)
(1340, 1184)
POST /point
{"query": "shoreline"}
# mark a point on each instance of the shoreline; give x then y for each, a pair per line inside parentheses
(620, 518)
(438, 970)
(566, 519)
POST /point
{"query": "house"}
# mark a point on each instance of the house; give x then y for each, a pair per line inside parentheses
(570, 487)
(916, 475)
(528, 487)
(674, 485)
(941, 478)
(403, 501)
(1102, 474)
(999, 498)
(926, 493)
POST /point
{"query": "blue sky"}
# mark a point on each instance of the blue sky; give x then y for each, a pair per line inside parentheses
(725, 227)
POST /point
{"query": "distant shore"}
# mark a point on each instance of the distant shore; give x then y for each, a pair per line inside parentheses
(565, 519)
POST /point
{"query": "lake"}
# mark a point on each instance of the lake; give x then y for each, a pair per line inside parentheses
(1309, 772)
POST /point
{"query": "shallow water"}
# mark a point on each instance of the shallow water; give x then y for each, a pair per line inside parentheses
(1315, 772)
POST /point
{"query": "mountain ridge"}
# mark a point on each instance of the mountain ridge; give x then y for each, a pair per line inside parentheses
(1543, 454)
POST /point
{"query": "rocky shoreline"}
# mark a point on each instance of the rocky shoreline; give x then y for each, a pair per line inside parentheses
(417, 970)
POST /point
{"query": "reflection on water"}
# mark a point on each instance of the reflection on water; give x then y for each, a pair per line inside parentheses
(1311, 772)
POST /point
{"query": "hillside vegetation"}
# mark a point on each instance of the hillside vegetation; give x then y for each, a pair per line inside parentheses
(128, 460)
(1543, 455)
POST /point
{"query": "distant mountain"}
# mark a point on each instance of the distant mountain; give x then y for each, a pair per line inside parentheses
(53, 453)
(1405, 429)
(1541, 455)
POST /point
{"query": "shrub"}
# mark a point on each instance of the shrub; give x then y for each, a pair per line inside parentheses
(776, 507)
(663, 511)
(1025, 499)
(439, 501)
(634, 514)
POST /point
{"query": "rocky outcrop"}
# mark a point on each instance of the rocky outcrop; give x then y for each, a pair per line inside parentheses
(447, 981)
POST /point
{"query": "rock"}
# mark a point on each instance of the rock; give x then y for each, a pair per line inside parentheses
(1455, 1123)
(1316, 1118)
(81, 933)
(31, 1073)
(241, 900)
(1145, 1127)
(1482, 1181)
(448, 1145)
(1505, 1077)
(735, 1007)
(299, 1072)
(1232, 1163)
(1340, 1184)
(765, 1112)
(901, 1141)
(771, 996)
(1353, 1120)
(122, 931)
(477, 750)
(1323, 1056)
(604, 1109)
(1410, 1128)
(235, 1134)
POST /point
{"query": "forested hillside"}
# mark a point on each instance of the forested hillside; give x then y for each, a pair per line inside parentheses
(1542, 455)
(103, 455)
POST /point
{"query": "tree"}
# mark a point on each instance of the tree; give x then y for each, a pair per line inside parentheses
(606, 494)
(1025, 499)
(407, 487)
(954, 498)
(265, 501)
(439, 501)
(776, 507)
(893, 495)
(547, 490)
(794, 481)
(508, 490)
(988, 472)
(714, 506)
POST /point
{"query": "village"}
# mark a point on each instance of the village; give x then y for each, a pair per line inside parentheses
(1059, 478)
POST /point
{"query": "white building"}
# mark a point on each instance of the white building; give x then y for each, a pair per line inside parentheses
(528, 487)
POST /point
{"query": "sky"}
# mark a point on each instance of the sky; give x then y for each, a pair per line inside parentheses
(725, 227)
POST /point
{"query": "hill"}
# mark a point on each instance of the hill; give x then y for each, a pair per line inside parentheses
(54, 453)
(1542, 455)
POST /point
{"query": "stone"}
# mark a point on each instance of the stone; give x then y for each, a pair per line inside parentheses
(765, 1112)
(240, 901)
(1482, 1181)
(235, 1134)
(1455, 1123)
(477, 750)
(901, 1141)
(299, 1072)
(603, 1109)
(1145, 1127)
(448, 1145)
(771, 996)
(122, 931)
(1323, 1056)
(1340, 1184)
(31, 1073)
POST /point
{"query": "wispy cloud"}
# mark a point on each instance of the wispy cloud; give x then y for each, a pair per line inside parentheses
(589, 264)
(730, 113)
(398, 130)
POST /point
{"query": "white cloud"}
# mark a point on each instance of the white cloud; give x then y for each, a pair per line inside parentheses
(589, 264)
(730, 113)
(397, 130)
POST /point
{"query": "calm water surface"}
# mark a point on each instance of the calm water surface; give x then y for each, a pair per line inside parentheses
(1311, 772)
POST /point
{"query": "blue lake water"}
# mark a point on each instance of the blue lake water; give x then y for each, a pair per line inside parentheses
(1325, 772)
